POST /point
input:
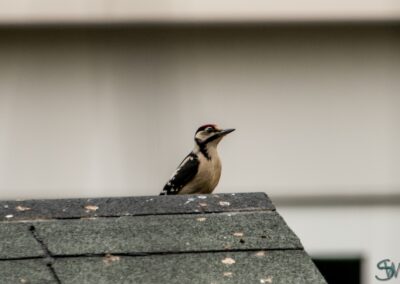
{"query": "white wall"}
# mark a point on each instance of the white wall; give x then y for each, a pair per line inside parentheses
(371, 233)
(194, 11)
(112, 111)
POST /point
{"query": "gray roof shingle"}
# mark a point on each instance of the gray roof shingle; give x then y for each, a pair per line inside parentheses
(219, 238)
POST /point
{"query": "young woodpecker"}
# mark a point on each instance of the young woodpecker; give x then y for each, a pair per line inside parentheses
(200, 171)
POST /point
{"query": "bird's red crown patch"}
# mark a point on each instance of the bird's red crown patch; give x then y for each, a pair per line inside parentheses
(201, 128)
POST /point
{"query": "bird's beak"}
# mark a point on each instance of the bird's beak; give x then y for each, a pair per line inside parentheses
(225, 131)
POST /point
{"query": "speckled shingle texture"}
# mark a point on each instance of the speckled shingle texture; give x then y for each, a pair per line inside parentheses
(224, 238)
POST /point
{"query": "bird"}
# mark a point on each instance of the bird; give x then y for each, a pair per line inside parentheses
(200, 170)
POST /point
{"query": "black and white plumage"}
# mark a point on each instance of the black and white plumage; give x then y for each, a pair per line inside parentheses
(200, 171)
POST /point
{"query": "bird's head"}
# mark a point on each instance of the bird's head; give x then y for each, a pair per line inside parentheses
(210, 134)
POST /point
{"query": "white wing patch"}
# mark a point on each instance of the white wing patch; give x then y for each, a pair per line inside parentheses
(183, 174)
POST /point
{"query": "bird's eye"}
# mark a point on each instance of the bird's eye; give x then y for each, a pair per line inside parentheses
(209, 129)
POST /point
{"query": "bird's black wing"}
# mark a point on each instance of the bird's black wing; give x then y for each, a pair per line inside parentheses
(183, 174)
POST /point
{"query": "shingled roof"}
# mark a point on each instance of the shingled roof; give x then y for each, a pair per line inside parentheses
(219, 238)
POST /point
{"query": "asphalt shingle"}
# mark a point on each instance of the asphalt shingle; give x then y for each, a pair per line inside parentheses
(224, 238)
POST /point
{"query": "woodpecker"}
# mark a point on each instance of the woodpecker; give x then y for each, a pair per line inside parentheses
(200, 171)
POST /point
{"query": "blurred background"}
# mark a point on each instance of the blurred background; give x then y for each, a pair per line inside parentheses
(102, 98)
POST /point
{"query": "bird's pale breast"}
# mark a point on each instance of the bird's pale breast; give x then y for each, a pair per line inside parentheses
(207, 178)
